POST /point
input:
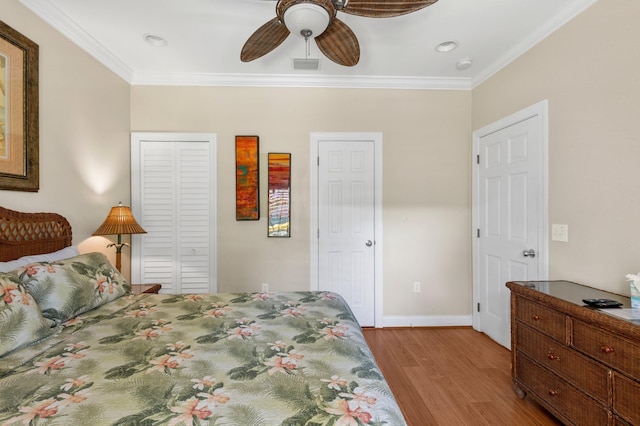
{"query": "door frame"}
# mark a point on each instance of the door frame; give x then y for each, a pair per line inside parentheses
(540, 109)
(376, 138)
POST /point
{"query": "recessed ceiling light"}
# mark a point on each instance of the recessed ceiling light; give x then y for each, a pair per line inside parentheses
(155, 40)
(446, 46)
(464, 64)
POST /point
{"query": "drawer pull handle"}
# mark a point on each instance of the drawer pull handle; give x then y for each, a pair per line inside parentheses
(536, 317)
(607, 350)
(553, 392)
(553, 357)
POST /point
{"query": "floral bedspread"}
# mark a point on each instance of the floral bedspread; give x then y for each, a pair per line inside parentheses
(246, 359)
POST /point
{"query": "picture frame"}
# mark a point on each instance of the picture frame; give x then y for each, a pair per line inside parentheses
(279, 189)
(19, 112)
(247, 178)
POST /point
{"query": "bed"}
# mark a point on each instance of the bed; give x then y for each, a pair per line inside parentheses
(104, 356)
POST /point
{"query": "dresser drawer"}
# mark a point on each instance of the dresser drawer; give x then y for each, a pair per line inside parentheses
(571, 365)
(617, 352)
(560, 395)
(626, 398)
(546, 320)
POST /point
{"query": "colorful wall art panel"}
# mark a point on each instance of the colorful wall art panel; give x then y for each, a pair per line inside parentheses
(279, 195)
(247, 178)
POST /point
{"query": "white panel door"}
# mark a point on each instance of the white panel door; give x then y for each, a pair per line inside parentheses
(346, 224)
(509, 222)
(173, 195)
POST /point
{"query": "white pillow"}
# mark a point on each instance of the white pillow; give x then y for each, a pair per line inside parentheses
(65, 253)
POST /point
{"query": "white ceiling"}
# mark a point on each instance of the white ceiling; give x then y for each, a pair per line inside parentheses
(205, 38)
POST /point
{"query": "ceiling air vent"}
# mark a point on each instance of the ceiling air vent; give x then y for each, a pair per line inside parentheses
(306, 64)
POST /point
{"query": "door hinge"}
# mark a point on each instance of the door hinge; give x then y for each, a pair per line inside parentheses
(478, 233)
(478, 307)
(318, 161)
(478, 159)
(318, 232)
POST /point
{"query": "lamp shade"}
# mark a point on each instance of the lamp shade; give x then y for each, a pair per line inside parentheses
(120, 221)
(306, 16)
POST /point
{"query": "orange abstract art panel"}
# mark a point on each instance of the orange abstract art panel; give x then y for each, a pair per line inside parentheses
(247, 178)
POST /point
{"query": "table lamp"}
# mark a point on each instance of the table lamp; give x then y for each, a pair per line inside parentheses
(119, 221)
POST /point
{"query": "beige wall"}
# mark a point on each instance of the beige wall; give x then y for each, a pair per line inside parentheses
(84, 133)
(588, 70)
(426, 186)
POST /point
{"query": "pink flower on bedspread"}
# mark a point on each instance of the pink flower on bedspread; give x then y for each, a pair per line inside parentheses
(359, 398)
(292, 310)
(100, 282)
(146, 334)
(43, 409)
(261, 296)
(329, 296)
(66, 399)
(164, 364)
(176, 346)
(49, 365)
(333, 332)
(206, 381)
(71, 383)
(193, 297)
(185, 354)
(76, 355)
(219, 310)
(9, 291)
(279, 364)
(279, 345)
(73, 322)
(347, 415)
(138, 313)
(188, 411)
(216, 398)
(73, 346)
(335, 383)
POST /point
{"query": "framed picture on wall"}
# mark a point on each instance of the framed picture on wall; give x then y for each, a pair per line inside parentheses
(247, 178)
(19, 127)
(279, 195)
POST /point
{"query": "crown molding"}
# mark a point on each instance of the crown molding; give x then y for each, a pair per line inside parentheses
(571, 11)
(290, 80)
(67, 27)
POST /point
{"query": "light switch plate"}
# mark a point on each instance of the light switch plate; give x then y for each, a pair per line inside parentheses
(560, 232)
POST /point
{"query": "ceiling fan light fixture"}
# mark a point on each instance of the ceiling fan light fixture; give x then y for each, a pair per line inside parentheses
(303, 17)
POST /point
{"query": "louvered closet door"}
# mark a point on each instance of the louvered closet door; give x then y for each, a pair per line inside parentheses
(177, 210)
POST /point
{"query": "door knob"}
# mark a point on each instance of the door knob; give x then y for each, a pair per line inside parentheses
(368, 243)
(529, 253)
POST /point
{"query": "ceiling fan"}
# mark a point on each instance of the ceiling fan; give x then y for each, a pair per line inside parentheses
(317, 19)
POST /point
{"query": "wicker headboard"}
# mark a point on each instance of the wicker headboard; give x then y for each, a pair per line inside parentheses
(23, 234)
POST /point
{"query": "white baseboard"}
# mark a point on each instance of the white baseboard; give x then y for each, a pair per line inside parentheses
(426, 321)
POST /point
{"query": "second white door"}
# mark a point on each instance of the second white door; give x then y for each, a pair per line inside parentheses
(511, 214)
(346, 224)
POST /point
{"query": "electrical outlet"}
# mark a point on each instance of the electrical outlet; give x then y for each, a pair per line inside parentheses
(265, 287)
(416, 286)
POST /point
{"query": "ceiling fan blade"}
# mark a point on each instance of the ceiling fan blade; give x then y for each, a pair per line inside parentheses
(264, 40)
(384, 8)
(339, 44)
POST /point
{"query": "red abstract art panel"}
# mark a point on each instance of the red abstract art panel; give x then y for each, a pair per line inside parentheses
(247, 178)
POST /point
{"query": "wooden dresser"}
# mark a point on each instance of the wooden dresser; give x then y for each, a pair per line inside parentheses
(581, 364)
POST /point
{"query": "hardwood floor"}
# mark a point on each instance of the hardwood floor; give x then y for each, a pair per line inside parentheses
(451, 376)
